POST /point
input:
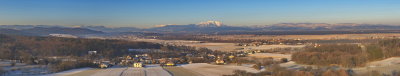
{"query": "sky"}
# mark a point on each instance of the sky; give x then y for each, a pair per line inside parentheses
(147, 13)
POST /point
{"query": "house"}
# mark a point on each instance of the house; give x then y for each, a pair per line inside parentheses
(92, 52)
(138, 65)
(220, 61)
(162, 61)
(104, 65)
(231, 57)
(128, 57)
(170, 64)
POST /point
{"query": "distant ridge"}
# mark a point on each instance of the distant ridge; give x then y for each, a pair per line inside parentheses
(207, 27)
(45, 31)
(60, 30)
(15, 32)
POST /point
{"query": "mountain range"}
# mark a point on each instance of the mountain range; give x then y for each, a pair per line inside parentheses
(202, 27)
(45, 31)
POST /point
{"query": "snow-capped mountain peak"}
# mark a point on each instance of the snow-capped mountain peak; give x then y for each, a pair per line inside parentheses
(210, 24)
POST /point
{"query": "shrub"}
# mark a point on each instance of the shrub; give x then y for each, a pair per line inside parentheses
(347, 55)
(284, 60)
(257, 66)
(2, 71)
(12, 64)
(67, 65)
(276, 70)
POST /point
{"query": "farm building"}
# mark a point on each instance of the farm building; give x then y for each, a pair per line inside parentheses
(170, 64)
(138, 65)
(104, 65)
(220, 61)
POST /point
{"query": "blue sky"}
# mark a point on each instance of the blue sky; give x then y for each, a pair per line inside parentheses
(147, 13)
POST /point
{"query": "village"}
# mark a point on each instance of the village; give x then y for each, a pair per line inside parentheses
(178, 58)
(141, 60)
(223, 56)
(170, 58)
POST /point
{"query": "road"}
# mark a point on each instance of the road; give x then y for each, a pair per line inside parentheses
(151, 70)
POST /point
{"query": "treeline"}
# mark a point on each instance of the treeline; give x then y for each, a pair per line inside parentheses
(276, 70)
(2, 71)
(186, 54)
(218, 39)
(25, 48)
(67, 65)
(348, 55)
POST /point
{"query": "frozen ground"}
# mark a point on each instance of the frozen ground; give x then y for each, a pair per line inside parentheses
(179, 71)
(150, 70)
(218, 46)
(196, 69)
(273, 55)
(216, 70)
(384, 66)
(263, 47)
(21, 69)
(69, 72)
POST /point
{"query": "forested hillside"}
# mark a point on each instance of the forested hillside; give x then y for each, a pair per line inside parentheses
(16, 47)
(348, 55)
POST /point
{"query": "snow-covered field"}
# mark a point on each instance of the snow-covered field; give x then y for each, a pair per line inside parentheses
(179, 71)
(233, 47)
(263, 47)
(216, 70)
(384, 66)
(150, 70)
(69, 72)
(196, 69)
(218, 46)
(21, 69)
(273, 55)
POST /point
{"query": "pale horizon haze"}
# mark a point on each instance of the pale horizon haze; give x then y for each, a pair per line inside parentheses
(148, 13)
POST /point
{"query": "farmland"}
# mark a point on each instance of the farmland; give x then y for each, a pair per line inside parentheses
(216, 46)
(179, 71)
(217, 70)
(385, 66)
(151, 70)
(197, 69)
